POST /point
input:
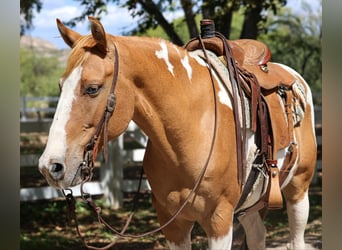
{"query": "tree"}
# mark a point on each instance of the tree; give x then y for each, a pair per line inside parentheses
(151, 14)
(287, 35)
(296, 42)
(36, 74)
(26, 13)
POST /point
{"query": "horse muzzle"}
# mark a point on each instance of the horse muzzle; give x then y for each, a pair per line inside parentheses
(57, 175)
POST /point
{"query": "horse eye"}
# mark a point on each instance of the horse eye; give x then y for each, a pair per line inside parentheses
(92, 90)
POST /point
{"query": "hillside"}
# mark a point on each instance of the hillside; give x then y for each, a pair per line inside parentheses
(43, 48)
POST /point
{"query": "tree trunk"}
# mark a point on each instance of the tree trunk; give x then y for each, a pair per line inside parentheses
(222, 22)
(207, 11)
(190, 17)
(152, 9)
(250, 26)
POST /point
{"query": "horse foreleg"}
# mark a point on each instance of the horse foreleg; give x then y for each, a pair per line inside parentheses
(255, 230)
(178, 232)
(222, 242)
(219, 226)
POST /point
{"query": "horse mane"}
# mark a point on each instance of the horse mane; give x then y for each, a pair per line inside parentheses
(78, 52)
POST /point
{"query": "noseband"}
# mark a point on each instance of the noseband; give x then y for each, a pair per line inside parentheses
(90, 151)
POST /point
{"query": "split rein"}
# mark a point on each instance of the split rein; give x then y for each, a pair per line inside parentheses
(90, 153)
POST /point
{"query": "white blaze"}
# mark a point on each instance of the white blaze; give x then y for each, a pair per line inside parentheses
(163, 54)
(56, 145)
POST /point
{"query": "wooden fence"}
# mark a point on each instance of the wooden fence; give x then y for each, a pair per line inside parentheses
(127, 149)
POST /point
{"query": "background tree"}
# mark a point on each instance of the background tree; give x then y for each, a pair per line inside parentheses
(37, 72)
(151, 14)
(296, 42)
(26, 13)
(293, 40)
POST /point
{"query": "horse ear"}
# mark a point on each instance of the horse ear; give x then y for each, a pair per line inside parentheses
(69, 36)
(98, 33)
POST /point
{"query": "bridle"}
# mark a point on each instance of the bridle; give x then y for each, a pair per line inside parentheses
(90, 150)
(90, 153)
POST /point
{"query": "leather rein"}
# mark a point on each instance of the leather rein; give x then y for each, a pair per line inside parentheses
(90, 153)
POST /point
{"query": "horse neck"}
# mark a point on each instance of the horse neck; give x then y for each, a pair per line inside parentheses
(168, 100)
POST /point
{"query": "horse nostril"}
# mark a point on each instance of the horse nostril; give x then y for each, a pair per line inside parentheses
(57, 171)
(56, 167)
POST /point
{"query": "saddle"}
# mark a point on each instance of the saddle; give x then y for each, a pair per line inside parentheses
(252, 55)
(263, 82)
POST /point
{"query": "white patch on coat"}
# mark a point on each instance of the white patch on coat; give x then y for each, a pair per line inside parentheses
(222, 93)
(186, 244)
(186, 65)
(164, 54)
(56, 146)
(298, 214)
(224, 242)
(182, 246)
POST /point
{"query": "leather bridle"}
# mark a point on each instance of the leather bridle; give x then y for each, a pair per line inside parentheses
(90, 151)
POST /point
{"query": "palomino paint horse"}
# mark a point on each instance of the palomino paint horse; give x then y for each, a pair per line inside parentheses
(167, 91)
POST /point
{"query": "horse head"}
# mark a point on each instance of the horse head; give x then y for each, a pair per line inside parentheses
(85, 86)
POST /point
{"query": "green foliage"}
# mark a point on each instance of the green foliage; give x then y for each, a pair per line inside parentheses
(236, 25)
(27, 8)
(39, 74)
(296, 42)
(180, 28)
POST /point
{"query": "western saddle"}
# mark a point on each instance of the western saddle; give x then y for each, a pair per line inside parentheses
(262, 82)
(252, 55)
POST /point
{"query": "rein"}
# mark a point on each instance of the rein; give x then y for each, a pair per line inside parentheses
(90, 153)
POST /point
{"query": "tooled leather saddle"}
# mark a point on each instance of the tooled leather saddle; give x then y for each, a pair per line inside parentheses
(252, 55)
(262, 81)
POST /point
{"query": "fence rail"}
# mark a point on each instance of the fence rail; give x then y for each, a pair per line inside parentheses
(35, 108)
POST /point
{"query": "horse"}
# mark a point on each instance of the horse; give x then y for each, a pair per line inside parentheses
(188, 117)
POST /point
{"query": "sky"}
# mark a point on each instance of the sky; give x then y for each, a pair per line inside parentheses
(117, 21)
